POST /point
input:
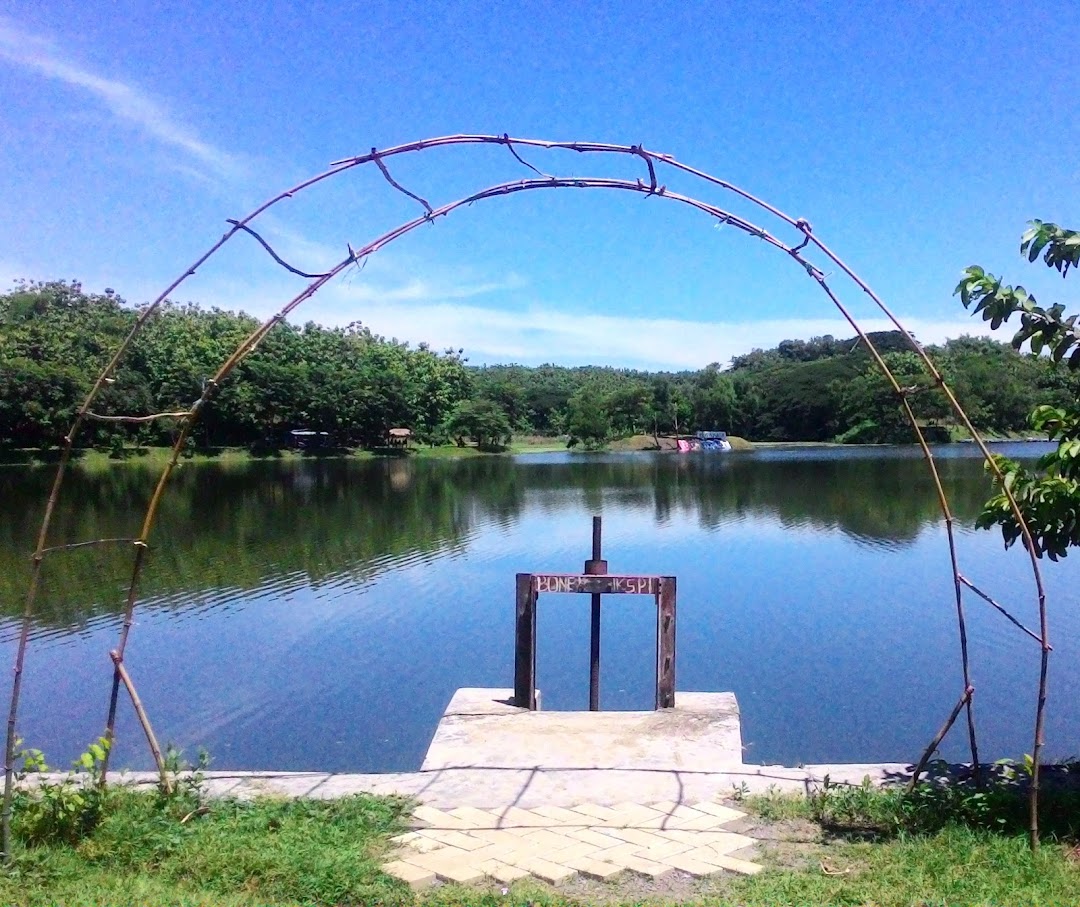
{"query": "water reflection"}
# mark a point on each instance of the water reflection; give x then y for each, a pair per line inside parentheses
(319, 614)
(277, 526)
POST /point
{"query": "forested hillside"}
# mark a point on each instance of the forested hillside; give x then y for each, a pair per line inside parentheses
(354, 385)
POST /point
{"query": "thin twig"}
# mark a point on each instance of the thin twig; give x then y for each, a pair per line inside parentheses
(829, 871)
(273, 254)
(99, 417)
(74, 545)
(397, 185)
(510, 146)
(986, 598)
(638, 150)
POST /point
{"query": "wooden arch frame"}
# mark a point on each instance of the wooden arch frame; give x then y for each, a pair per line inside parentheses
(804, 242)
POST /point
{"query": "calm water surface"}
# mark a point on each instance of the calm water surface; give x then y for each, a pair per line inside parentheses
(320, 614)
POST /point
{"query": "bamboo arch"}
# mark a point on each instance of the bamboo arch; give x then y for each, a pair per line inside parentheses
(806, 241)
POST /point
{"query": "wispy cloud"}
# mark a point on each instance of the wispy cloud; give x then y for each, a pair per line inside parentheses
(127, 102)
(546, 335)
(442, 309)
(421, 290)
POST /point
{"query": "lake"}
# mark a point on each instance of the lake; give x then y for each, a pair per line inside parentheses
(319, 614)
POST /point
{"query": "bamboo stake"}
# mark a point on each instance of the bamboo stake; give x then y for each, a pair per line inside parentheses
(125, 631)
(16, 688)
(166, 784)
(964, 699)
(92, 543)
(99, 417)
(943, 503)
(986, 598)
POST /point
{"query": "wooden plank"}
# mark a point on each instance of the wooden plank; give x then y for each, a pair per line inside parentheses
(597, 585)
(665, 644)
(525, 643)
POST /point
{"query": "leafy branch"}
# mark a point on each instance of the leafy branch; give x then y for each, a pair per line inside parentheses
(1044, 328)
(1049, 495)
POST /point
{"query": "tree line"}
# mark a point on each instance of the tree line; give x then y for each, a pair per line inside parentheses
(355, 385)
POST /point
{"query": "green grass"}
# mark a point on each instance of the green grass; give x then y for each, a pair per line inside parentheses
(954, 866)
(276, 852)
(266, 852)
(157, 457)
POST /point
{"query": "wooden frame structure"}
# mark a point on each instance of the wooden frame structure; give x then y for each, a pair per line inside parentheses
(529, 587)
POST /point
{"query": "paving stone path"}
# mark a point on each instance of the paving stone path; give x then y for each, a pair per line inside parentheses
(554, 843)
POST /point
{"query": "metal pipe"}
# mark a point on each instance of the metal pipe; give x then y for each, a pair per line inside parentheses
(594, 650)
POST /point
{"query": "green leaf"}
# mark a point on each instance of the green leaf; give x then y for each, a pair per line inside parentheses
(1036, 246)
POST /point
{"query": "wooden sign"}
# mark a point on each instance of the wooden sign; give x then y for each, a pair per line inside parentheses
(530, 585)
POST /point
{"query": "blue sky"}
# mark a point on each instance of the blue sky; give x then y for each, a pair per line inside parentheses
(917, 138)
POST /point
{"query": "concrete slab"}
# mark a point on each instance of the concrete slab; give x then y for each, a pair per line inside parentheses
(879, 773)
(488, 753)
(484, 701)
(480, 729)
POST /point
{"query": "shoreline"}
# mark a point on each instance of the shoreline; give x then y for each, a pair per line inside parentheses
(94, 459)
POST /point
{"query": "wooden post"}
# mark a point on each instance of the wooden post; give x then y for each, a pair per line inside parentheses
(525, 644)
(665, 644)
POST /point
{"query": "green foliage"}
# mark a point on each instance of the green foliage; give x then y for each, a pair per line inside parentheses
(587, 419)
(63, 811)
(482, 420)
(55, 338)
(355, 386)
(1049, 495)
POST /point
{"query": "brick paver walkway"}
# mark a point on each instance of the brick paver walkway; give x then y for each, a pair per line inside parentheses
(554, 843)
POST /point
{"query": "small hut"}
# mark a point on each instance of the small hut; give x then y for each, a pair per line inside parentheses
(398, 437)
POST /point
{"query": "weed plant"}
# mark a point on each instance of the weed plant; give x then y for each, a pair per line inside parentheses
(996, 801)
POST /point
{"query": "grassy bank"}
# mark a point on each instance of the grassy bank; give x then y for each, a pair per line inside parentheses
(846, 846)
(157, 457)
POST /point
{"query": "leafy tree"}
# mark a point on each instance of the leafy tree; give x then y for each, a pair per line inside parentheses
(587, 420)
(482, 420)
(629, 405)
(1049, 495)
(870, 408)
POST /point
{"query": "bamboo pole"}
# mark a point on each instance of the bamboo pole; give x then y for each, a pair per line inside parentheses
(118, 662)
(933, 745)
(943, 503)
(16, 689)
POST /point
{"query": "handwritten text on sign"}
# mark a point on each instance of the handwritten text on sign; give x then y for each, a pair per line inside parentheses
(633, 585)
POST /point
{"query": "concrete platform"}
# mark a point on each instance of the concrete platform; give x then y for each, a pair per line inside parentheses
(481, 729)
(487, 753)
